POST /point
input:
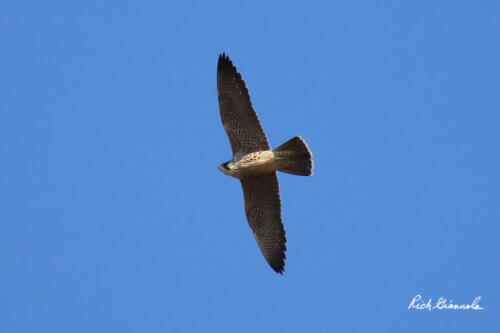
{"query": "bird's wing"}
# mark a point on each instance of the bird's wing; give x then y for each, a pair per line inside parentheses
(238, 117)
(263, 210)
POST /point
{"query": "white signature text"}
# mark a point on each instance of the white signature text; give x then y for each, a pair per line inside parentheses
(442, 304)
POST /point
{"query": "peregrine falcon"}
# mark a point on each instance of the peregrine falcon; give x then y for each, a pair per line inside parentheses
(255, 164)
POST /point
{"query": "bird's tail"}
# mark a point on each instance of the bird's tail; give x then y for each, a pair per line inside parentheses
(294, 157)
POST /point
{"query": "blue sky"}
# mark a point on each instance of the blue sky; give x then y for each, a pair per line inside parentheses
(114, 217)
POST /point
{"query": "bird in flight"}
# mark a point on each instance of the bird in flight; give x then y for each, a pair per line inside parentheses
(255, 164)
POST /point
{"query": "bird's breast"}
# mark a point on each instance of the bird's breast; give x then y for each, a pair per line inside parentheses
(254, 164)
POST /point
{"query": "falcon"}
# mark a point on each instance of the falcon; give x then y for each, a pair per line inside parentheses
(255, 164)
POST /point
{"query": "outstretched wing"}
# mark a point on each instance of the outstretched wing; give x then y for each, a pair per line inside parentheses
(263, 210)
(238, 117)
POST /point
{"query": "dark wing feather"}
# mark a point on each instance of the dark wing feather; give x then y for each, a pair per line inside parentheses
(263, 210)
(238, 117)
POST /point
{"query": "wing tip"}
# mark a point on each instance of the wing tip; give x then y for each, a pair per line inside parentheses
(278, 262)
(280, 269)
(274, 255)
(224, 59)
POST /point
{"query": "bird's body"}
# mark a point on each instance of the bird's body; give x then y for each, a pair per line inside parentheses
(251, 165)
(255, 164)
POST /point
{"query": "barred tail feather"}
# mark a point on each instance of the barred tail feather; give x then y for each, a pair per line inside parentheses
(294, 157)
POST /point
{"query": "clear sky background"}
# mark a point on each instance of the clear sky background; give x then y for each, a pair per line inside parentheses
(114, 217)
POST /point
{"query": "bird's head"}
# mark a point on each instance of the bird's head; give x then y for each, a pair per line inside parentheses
(226, 167)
